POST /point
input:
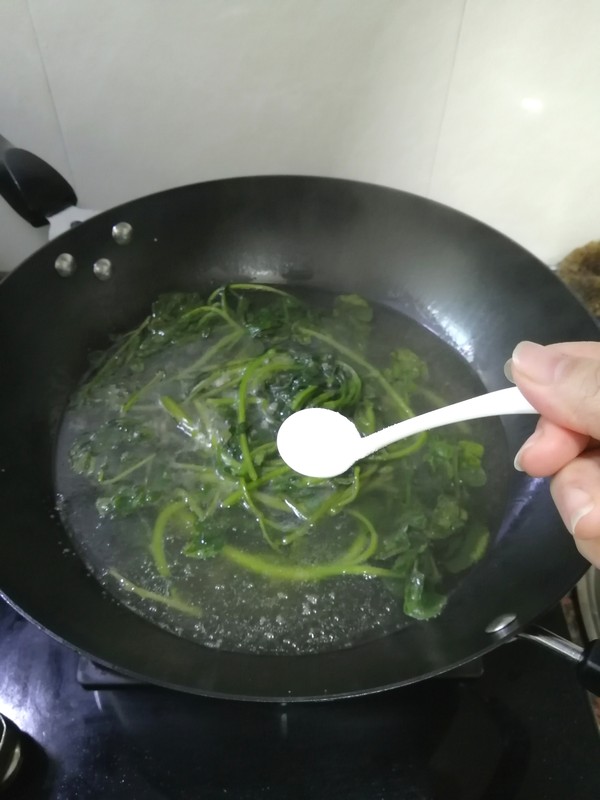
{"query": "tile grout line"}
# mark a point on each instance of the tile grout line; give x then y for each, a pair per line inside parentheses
(447, 97)
(50, 92)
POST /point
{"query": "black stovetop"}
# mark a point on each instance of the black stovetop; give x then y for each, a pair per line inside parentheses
(523, 730)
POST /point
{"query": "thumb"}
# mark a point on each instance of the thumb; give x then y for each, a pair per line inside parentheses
(564, 387)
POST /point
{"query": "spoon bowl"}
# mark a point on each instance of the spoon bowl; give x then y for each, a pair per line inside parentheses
(321, 443)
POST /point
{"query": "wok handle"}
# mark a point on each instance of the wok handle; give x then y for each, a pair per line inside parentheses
(31, 186)
(586, 659)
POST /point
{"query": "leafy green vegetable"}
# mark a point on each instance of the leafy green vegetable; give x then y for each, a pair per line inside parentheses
(191, 449)
(469, 467)
(467, 549)
(421, 600)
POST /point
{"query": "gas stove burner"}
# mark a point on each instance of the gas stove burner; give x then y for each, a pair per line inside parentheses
(521, 729)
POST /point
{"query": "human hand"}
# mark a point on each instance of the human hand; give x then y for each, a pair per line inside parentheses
(563, 382)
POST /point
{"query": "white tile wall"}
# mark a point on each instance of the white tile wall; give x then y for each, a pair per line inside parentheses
(153, 94)
(492, 107)
(519, 146)
(27, 117)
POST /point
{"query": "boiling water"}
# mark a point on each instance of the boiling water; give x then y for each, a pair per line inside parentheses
(224, 605)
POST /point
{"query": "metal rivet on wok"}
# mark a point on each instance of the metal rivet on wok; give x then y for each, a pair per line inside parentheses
(65, 265)
(103, 269)
(500, 623)
(121, 232)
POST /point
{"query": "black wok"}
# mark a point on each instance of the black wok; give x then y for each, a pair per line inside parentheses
(474, 288)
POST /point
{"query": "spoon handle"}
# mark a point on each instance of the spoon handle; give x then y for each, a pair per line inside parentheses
(504, 401)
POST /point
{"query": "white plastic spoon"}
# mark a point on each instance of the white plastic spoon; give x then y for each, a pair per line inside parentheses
(322, 443)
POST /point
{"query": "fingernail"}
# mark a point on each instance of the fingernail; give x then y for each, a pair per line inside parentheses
(536, 362)
(578, 505)
(527, 444)
(508, 370)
